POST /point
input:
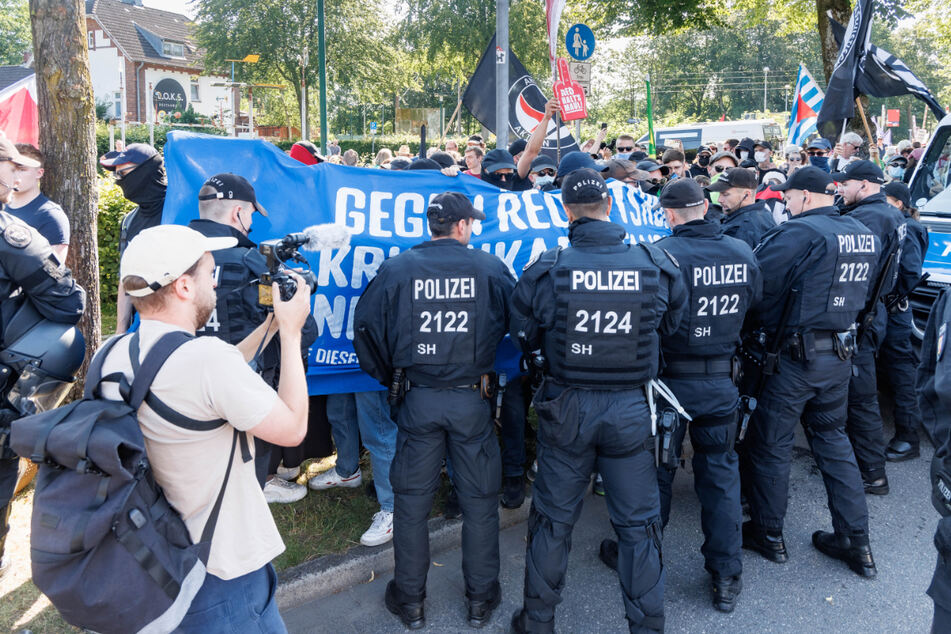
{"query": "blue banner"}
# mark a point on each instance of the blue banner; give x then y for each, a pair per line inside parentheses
(386, 213)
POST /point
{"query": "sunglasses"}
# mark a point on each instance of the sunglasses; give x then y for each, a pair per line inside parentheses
(546, 172)
(794, 158)
(816, 153)
(625, 149)
(720, 168)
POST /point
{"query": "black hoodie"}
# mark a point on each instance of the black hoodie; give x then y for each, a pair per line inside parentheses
(145, 186)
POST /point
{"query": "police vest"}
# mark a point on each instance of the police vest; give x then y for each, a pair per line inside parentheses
(835, 288)
(606, 318)
(237, 312)
(720, 280)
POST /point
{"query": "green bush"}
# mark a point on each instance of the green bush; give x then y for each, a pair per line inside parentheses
(140, 134)
(112, 207)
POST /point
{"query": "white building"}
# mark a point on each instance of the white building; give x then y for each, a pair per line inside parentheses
(144, 63)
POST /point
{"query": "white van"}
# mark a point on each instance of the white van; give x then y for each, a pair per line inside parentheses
(693, 135)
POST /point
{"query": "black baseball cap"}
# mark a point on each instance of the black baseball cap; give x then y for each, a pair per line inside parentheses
(543, 161)
(136, 153)
(734, 177)
(681, 194)
(651, 166)
(452, 207)
(899, 191)
(809, 179)
(860, 171)
(425, 164)
(443, 158)
(583, 185)
(764, 144)
(573, 161)
(496, 160)
(517, 146)
(232, 187)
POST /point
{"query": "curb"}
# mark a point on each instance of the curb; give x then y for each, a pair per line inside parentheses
(332, 573)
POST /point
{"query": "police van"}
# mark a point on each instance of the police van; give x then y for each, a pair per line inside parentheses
(931, 194)
(693, 135)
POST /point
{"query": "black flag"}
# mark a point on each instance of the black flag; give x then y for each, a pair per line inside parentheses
(526, 102)
(881, 74)
(839, 102)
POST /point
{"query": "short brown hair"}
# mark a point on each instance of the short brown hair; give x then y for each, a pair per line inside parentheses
(155, 301)
(588, 210)
(476, 149)
(673, 154)
(30, 151)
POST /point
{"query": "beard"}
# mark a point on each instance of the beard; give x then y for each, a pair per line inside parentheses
(203, 309)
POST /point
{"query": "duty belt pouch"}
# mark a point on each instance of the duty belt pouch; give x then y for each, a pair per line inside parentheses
(398, 387)
(488, 385)
(666, 453)
(808, 346)
(795, 347)
(844, 344)
(736, 369)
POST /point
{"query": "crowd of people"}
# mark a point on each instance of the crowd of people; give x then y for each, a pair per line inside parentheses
(807, 255)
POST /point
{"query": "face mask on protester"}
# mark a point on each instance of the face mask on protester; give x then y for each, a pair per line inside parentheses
(822, 162)
(760, 157)
(896, 172)
(703, 160)
(542, 181)
(623, 156)
(502, 181)
(744, 155)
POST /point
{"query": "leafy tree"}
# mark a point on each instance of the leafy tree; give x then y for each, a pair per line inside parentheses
(15, 37)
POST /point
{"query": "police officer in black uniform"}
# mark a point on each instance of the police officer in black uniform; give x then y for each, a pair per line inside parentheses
(860, 187)
(723, 281)
(595, 311)
(29, 272)
(226, 205)
(428, 325)
(816, 267)
(746, 218)
(934, 397)
(897, 359)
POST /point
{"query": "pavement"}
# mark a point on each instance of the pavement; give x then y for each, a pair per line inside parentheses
(810, 593)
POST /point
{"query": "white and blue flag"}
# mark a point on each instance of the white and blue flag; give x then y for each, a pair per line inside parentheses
(806, 104)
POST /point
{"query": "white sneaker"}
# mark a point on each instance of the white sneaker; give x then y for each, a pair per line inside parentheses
(380, 531)
(278, 491)
(329, 479)
(288, 474)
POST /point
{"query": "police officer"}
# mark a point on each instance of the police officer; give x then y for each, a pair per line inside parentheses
(816, 271)
(595, 311)
(896, 357)
(860, 187)
(722, 280)
(29, 271)
(935, 400)
(429, 323)
(746, 218)
(226, 207)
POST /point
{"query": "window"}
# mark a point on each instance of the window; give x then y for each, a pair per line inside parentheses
(196, 95)
(117, 112)
(934, 171)
(91, 38)
(173, 49)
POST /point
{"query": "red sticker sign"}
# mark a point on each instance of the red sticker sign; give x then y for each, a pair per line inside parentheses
(570, 94)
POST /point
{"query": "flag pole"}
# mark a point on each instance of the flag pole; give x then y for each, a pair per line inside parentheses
(868, 131)
(651, 149)
(554, 79)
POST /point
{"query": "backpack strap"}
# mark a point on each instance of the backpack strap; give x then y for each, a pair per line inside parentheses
(209, 529)
(94, 374)
(153, 362)
(159, 406)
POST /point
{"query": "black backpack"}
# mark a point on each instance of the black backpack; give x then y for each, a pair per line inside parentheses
(107, 548)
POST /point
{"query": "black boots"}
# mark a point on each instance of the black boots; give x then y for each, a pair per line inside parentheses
(901, 450)
(769, 544)
(854, 551)
(513, 492)
(480, 610)
(411, 614)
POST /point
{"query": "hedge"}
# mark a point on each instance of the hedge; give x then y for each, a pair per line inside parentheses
(112, 207)
(140, 134)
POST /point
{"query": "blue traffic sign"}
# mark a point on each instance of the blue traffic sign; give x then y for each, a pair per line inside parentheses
(580, 42)
(373, 127)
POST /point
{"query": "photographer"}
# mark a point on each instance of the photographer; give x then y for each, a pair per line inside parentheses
(226, 206)
(29, 271)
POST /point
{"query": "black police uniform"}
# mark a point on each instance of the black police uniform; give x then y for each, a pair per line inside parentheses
(438, 312)
(830, 260)
(896, 357)
(237, 312)
(145, 186)
(749, 223)
(28, 269)
(595, 309)
(723, 281)
(934, 397)
(864, 424)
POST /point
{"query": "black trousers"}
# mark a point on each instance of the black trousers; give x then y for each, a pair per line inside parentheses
(8, 482)
(815, 393)
(898, 363)
(431, 423)
(864, 422)
(580, 431)
(940, 588)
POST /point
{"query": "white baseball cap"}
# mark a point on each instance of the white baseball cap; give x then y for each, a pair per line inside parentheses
(160, 255)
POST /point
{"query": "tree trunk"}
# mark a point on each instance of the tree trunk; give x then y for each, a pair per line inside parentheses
(841, 12)
(68, 139)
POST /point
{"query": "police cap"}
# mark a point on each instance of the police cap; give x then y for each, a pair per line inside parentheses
(734, 177)
(681, 193)
(452, 207)
(899, 191)
(582, 186)
(860, 171)
(809, 179)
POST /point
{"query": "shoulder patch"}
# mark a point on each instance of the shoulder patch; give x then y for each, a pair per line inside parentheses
(549, 256)
(672, 258)
(17, 235)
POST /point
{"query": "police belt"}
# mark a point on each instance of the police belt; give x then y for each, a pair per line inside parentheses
(824, 341)
(710, 367)
(468, 386)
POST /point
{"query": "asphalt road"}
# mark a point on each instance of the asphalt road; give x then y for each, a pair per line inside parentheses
(810, 593)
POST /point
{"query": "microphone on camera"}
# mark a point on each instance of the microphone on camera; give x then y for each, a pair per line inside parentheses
(320, 237)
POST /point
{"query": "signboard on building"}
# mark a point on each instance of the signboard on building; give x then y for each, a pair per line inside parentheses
(169, 96)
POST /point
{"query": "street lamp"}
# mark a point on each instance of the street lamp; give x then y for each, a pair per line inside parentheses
(786, 102)
(765, 73)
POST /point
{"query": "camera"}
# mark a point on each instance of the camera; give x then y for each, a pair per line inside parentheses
(275, 253)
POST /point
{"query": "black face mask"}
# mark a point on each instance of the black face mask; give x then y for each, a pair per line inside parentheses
(502, 181)
(703, 160)
(146, 184)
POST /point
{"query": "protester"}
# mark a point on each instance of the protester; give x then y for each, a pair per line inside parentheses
(763, 155)
(308, 153)
(845, 151)
(657, 176)
(624, 146)
(404, 152)
(383, 158)
(32, 207)
(476, 140)
(169, 272)
(334, 147)
(795, 158)
(452, 146)
(744, 149)
(351, 158)
(473, 157)
(676, 162)
(543, 173)
(818, 151)
(701, 162)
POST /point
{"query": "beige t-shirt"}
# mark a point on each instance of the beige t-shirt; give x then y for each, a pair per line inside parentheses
(207, 379)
